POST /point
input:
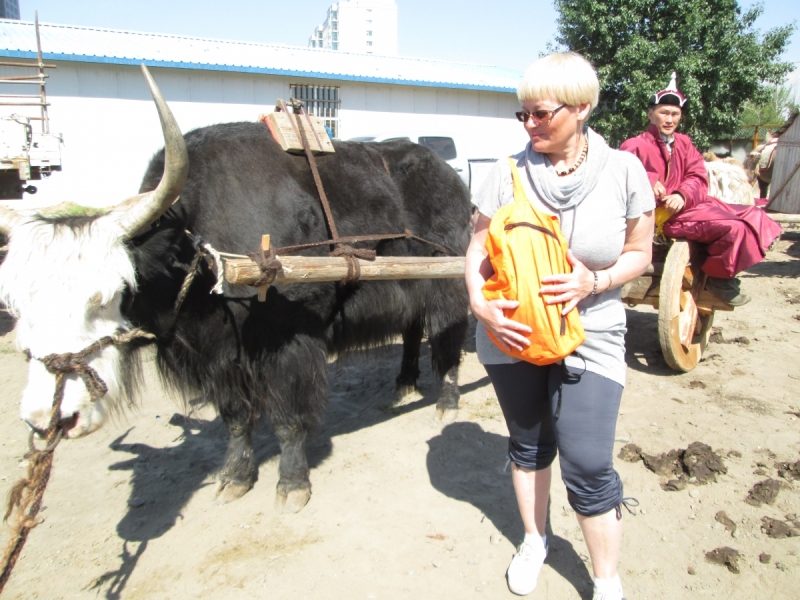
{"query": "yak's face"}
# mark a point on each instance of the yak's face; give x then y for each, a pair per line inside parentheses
(64, 277)
(64, 284)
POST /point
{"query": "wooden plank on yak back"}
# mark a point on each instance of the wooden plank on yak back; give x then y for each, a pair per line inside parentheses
(283, 130)
(243, 271)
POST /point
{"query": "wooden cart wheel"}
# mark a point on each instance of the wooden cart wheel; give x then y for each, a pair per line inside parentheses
(682, 330)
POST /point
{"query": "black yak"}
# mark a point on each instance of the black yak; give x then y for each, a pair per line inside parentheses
(70, 280)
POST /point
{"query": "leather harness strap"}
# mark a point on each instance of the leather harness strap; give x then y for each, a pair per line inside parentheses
(269, 263)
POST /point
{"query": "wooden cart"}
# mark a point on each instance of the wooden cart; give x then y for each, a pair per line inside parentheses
(674, 285)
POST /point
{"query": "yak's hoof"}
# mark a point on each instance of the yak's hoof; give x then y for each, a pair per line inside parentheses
(446, 415)
(230, 491)
(402, 391)
(292, 501)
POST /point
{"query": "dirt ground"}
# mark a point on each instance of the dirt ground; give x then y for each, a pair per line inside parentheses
(405, 507)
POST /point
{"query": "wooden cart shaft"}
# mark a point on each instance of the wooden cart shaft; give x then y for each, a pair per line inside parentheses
(243, 271)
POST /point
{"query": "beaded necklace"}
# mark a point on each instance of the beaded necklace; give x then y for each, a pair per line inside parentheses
(581, 158)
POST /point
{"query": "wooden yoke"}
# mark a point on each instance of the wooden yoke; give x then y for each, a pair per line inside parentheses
(262, 290)
(295, 269)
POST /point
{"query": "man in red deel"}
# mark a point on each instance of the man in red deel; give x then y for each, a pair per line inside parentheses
(736, 237)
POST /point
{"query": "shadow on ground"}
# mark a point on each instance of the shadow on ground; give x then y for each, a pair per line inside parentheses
(642, 348)
(164, 479)
(7, 322)
(467, 463)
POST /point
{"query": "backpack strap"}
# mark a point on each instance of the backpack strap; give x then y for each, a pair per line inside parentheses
(519, 191)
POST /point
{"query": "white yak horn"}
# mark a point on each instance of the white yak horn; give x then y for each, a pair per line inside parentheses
(136, 214)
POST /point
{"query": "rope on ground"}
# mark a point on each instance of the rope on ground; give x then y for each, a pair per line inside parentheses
(25, 498)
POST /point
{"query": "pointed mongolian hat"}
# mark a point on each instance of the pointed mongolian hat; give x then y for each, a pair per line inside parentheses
(669, 95)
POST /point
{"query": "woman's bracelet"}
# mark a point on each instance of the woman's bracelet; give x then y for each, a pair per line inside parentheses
(594, 287)
(610, 281)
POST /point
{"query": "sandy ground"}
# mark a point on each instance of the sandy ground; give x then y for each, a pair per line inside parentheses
(404, 507)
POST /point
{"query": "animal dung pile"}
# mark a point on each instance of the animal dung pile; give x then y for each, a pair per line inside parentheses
(698, 464)
(726, 521)
(789, 471)
(764, 492)
(630, 453)
(777, 529)
(716, 337)
(725, 556)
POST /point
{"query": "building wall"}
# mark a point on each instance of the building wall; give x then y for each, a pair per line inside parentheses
(360, 26)
(111, 129)
(9, 9)
(368, 26)
(785, 176)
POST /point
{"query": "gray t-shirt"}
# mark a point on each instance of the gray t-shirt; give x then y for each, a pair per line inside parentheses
(596, 230)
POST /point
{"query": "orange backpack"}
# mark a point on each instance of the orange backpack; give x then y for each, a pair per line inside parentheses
(525, 245)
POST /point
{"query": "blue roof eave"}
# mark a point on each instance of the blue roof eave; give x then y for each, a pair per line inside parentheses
(112, 60)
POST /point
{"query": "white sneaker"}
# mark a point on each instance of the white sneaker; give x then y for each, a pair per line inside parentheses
(523, 572)
(607, 596)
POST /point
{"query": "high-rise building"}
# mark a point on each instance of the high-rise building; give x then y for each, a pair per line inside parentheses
(9, 9)
(363, 26)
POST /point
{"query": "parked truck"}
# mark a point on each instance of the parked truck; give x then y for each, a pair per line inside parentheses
(28, 152)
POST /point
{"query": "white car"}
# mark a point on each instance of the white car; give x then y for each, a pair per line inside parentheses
(449, 148)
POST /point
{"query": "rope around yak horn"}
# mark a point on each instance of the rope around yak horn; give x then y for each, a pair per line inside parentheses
(25, 497)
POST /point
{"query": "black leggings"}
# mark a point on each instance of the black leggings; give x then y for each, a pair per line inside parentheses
(549, 411)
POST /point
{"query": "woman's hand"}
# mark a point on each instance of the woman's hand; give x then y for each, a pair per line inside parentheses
(510, 334)
(506, 331)
(569, 288)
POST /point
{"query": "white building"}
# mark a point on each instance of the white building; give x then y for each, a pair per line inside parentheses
(100, 103)
(364, 26)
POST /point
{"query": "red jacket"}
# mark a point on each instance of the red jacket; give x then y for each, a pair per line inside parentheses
(736, 236)
(683, 173)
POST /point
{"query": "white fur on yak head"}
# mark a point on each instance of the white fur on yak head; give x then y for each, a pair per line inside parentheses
(63, 279)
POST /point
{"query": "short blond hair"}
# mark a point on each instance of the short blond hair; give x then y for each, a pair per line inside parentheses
(566, 77)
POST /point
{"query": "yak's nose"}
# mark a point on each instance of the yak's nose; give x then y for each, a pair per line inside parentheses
(66, 425)
(37, 430)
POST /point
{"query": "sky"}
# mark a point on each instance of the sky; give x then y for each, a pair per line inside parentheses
(506, 33)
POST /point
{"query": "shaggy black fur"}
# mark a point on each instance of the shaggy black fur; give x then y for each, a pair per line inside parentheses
(250, 358)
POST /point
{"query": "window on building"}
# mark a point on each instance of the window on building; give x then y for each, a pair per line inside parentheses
(369, 33)
(321, 101)
(334, 14)
(335, 36)
(335, 45)
(369, 43)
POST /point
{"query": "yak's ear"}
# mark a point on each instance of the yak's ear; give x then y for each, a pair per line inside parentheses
(8, 220)
(136, 214)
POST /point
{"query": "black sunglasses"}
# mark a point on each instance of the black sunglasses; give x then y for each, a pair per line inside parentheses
(538, 115)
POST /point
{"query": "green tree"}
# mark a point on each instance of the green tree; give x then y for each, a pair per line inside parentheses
(782, 101)
(721, 59)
